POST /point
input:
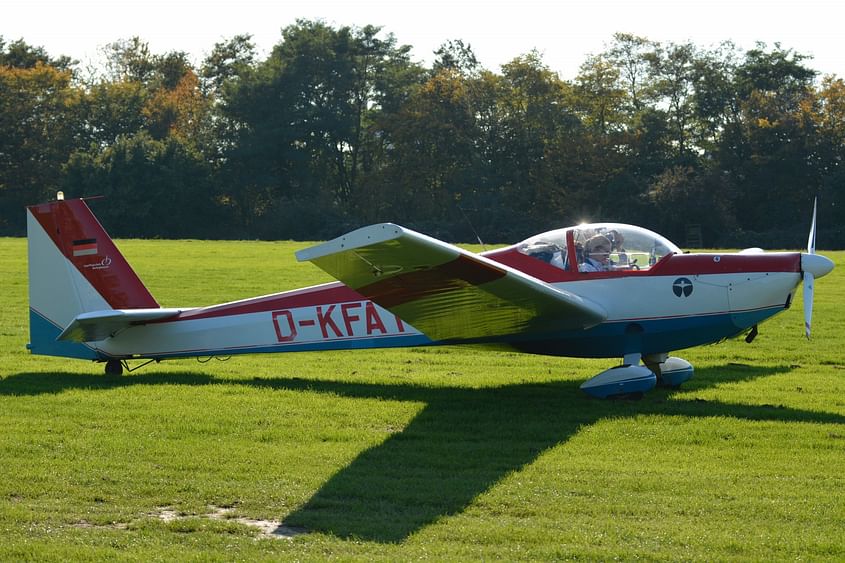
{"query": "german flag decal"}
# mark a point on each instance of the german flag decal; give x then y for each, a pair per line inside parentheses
(85, 247)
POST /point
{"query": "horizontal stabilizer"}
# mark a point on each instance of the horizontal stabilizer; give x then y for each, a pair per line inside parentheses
(444, 291)
(99, 325)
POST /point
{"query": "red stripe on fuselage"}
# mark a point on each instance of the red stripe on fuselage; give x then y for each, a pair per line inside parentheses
(673, 265)
(325, 294)
(691, 264)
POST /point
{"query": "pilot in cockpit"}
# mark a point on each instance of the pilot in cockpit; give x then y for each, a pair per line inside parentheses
(617, 244)
(596, 255)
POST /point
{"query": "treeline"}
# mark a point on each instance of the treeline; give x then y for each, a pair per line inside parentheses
(338, 128)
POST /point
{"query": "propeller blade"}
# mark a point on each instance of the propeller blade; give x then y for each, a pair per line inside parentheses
(809, 278)
(808, 302)
(811, 242)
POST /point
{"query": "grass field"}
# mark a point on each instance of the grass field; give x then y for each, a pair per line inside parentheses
(429, 453)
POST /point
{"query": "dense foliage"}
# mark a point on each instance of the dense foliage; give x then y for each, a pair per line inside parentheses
(338, 127)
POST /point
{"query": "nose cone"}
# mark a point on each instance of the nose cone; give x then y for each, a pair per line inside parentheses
(816, 264)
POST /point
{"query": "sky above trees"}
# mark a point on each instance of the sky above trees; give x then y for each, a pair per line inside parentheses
(565, 33)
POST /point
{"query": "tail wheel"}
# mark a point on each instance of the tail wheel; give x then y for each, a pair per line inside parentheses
(114, 367)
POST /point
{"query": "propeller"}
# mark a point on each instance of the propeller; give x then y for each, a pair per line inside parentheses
(812, 266)
(809, 278)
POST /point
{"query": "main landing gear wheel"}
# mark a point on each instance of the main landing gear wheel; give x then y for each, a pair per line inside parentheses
(114, 367)
(670, 371)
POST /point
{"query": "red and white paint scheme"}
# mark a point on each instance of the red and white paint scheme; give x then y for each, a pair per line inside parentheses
(599, 290)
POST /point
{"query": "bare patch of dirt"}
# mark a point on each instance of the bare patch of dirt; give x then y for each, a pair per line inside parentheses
(266, 528)
(167, 514)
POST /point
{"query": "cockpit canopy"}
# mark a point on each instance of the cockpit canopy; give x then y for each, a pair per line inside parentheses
(619, 246)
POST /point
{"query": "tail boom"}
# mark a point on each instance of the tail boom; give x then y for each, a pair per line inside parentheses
(324, 317)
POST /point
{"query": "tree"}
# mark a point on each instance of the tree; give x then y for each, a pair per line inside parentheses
(114, 109)
(149, 183)
(769, 151)
(534, 159)
(830, 127)
(457, 56)
(180, 111)
(433, 151)
(716, 98)
(673, 72)
(19, 54)
(305, 116)
(227, 61)
(129, 60)
(599, 97)
(39, 128)
(630, 56)
(680, 193)
(779, 71)
(337, 127)
(159, 94)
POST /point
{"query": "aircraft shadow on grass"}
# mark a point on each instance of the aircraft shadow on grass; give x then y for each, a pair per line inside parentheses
(457, 447)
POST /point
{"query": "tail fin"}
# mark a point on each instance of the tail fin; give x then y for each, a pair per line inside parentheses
(74, 268)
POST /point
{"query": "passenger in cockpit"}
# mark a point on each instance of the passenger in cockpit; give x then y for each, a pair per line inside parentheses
(547, 252)
(596, 255)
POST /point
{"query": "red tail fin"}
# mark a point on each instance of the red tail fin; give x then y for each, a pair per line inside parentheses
(78, 235)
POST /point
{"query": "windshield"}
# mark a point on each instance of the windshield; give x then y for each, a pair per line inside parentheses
(601, 246)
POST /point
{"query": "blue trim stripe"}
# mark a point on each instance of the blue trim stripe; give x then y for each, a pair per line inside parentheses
(43, 334)
(341, 344)
(615, 339)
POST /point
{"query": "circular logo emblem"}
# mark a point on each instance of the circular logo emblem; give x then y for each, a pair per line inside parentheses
(682, 287)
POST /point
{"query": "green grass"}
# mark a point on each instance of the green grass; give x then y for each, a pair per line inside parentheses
(429, 453)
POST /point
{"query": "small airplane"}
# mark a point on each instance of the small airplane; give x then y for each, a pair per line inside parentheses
(600, 290)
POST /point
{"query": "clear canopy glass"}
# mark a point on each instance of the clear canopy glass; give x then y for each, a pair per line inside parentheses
(600, 246)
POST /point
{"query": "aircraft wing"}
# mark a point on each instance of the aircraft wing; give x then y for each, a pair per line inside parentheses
(99, 325)
(444, 291)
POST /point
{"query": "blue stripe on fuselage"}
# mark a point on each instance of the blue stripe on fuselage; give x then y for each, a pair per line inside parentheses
(316, 346)
(648, 336)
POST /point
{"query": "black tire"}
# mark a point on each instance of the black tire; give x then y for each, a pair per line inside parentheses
(114, 367)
